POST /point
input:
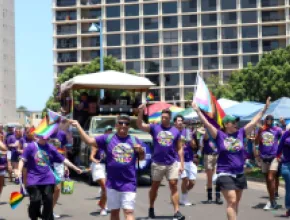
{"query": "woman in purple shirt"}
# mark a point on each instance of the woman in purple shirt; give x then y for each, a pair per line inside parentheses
(230, 164)
(3, 164)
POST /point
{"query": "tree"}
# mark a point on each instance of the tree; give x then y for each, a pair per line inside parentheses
(270, 77)
(22, 108)
(110, 63)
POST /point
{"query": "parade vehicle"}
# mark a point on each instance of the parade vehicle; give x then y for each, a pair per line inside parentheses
(101, 115)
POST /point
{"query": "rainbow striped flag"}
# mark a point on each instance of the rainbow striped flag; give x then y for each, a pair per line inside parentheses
(150, 97)
(208, 104)
(44, 129)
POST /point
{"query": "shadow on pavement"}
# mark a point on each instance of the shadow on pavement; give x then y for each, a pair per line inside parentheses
(63, 216)
(96, 213)
(259, 206)
(156, 217)
(3, 203)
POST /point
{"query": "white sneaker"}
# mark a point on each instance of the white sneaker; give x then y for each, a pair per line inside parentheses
(267, 206)
(184, 200)
(56, 216)
(103, 212)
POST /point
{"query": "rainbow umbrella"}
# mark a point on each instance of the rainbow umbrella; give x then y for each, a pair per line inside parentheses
(157, 107)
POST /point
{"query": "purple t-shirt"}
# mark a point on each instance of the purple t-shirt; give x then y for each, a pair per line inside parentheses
(59, 141)
(284, 147)
(187, 149)
(38, 172)
(100, 155)
(268, 143)
(11, 139)
(209, 147)
(231, 152)
(121, 160)
(165, 144)
(3, 160)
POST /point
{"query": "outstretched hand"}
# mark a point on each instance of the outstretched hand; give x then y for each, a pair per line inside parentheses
(268, 102)
(194, 106)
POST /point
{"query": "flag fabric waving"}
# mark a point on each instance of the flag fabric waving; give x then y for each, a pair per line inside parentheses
(207, 102)
(44, 129)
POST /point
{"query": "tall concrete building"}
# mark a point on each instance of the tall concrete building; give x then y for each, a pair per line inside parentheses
(170, 41)
(7, 62)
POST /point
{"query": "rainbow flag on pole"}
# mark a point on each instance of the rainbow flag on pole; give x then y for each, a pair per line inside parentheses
(207, 102)
(44, 129)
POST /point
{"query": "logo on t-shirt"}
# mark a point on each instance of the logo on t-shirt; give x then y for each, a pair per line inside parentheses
(232, 144)
(268, 139)
(123, 153)
(165, 138)
(40, 161)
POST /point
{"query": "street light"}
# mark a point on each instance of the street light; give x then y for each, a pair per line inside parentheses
(99, 28)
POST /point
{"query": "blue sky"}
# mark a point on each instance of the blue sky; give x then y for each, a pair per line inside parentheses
(34, 57)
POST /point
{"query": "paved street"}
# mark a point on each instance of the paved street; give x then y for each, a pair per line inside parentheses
(81, 205)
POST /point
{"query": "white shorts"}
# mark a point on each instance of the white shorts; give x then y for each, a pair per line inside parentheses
(120, 200)
(8, 155)
(59, 169)
(3, 173)
(98, 171)
(190, 171)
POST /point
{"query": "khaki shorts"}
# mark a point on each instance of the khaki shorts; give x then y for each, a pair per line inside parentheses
(210, 161)
(158, 171)
(269, 166)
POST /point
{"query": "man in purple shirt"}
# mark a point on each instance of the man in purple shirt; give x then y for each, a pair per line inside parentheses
(168, 146)
(122, 150)
(12, 145)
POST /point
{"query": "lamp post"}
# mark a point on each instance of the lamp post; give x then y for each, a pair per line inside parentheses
(99, 28)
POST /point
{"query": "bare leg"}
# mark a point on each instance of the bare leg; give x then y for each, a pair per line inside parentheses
(184, 185)
(103, 200)
(153, 192)
(272, 185)
(1, 184)
(129, 214)
(174, 194)
(239, 194)
(56, 194)
(231, 198)
(115, 214)
(190, 185)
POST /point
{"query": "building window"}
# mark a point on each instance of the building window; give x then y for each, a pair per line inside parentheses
(113, 25)
(189, 5)
(208, 5)
(131, 10)
(172, 94)
(132, 39)
(249, 4)
(133, 52)
(150, 23)
(170, 22)
(250, 46)
(189, 20)
(209, 19)
(190, 63)
(170, 50)
(249, 17)
(66, 29)
(250, 31)
(134, 65)
(66, 42)
(114, 40)
(230, 47)
(228, 5)
(116, 52)
(189, 79)
(171, 65)
(229, 18)
(269, 45)
(113, 11)
(231, 62)
(132, 24)
(66, 15)
(254, 59)
(210, 48)
(151, 37)
(171, 79)
(152, 66)
(274, 30)
(210, 63)
(209, 33)
(272, 3)
(170, 36)
(273, 15)
(154, 78)
(190, 49)
(112, 1)
(169, 7)
(189, 35)
(229, 33)
(67, 57)
(150, 9)
(152, 52)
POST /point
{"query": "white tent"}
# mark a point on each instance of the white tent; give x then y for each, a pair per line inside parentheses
(226, 103)
(109, 79)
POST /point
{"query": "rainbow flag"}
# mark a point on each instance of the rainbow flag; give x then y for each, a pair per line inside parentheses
(61, 150)
(53, 117)
(207, 102)
(15, 199)
(44, 129)
(156, 117)
(150, 97)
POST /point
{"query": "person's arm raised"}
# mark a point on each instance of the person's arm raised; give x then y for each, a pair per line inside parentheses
(86, 138)
(252, 124)
(140, 124)
(211, 129)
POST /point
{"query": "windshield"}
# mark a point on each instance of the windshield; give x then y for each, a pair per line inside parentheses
(99, 125)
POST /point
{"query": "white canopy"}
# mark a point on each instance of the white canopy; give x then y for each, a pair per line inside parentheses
(109, 79)
(226, 103)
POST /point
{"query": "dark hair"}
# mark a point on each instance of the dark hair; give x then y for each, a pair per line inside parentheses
(166, 111)
(84, 94)
(123, 117)
(178, 116)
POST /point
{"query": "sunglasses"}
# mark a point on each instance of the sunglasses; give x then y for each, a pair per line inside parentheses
(123, 123)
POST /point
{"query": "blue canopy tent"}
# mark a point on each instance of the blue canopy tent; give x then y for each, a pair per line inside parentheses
(279, 108)
(244, 108)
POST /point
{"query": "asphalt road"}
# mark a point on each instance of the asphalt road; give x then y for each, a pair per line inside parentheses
(82, 204)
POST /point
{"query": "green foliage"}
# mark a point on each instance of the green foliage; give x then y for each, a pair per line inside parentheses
(110, 63)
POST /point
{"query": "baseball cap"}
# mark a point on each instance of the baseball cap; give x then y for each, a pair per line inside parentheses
(230, 118)
(109, 127)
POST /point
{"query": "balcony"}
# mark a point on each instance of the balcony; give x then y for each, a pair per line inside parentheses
(67, 57)
(90, 2)
(268, 16)
(66, 43)
(88, 56)
(65, 3)
(67, 29)
(91, 42)
(66, 15)
(91, 13)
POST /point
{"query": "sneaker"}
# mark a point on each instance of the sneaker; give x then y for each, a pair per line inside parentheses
(178, 216)
(185, 203)
(219, 201)
(56, 216)
(209, 201)
(277, 195)
(267, 206)
(103, 212)
(151, 213)
(274, 205)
